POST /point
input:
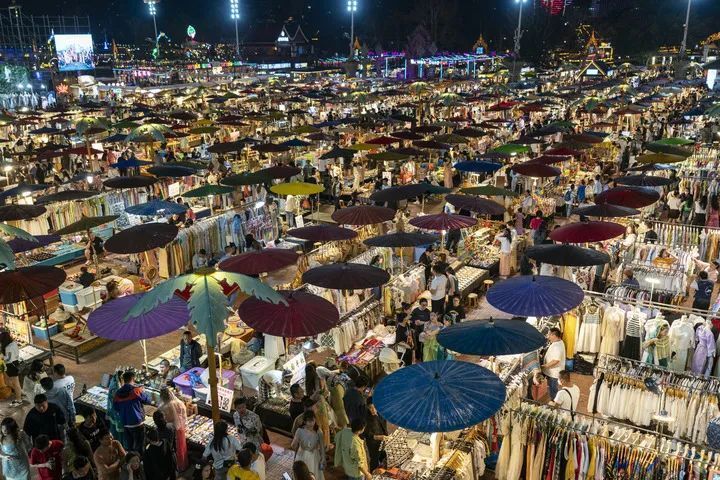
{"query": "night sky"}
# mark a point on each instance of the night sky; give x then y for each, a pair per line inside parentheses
(387, 23)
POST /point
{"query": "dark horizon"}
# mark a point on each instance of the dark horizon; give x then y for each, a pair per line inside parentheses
(455, 24)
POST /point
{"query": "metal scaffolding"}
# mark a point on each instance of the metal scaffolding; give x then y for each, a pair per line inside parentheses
(26, 38)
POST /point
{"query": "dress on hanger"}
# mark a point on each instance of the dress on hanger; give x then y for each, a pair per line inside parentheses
(704, 348)
(682, 340)
(612, 330)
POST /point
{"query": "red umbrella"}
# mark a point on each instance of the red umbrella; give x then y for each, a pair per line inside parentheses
(323, 233)
(549, 159)
(562, 152)
(384, 140)
(482, 206)
(404, 135)
(26, 283)
(255, 263)
(583, 138)
(633, 197)
(442, 221)
(585, 232)
(431, 144)
(363, 215)
(535, 169)
(305, 315)
(346, 276)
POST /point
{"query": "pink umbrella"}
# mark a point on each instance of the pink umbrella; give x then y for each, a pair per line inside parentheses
(305, 315)
(442, 221)
(323, 233)
(534, 169)
(255, 263)
(586, 232)
(363, 215)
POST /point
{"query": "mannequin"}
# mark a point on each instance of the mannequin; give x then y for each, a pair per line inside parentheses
(704, 356)
(682, 340)
(634, 326)
(656, 348)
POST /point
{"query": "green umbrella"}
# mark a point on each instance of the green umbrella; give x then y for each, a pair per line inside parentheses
(7, 256)
(126, 124)
(489, 190)
(388, 156)
(85, 223)
(511, 149)
(148, 133)
(658, 147)
(677, 141)
(713, 111)
(362, 146)
(207, 190)
(86, 123)
(201, 130)
(303, 129)
(451, 139)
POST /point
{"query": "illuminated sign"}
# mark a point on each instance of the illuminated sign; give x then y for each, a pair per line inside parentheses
(283, 37)
(74, 52)
(191, 32)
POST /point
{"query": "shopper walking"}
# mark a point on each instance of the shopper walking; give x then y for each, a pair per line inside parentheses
(129, 401)
(15, 446)
(554, 360)
(222, 448)
(309, 447)
(350, 453)
(11, 355)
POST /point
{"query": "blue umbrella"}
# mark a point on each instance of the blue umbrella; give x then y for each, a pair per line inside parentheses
(130, 163)
(439, 396)
(491, 337)
(296, 142)
(481, 166)
(21, 188)
(155, 207)
(535, 295)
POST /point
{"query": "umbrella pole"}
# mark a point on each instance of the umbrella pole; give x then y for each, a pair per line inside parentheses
(144, 347)
(212, 380)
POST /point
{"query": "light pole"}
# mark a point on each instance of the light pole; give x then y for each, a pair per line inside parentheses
(518, 31)
(683, 45)
(152, 8)
(352, 8)
(235, 16)
(518, 36)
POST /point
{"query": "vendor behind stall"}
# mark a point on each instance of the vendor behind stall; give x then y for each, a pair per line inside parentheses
(165, 375)
(190, 352)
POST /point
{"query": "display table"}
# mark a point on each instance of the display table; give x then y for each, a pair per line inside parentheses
(275, 415)
(75, 348)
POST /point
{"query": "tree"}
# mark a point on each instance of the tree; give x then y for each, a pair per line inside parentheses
(419, 43)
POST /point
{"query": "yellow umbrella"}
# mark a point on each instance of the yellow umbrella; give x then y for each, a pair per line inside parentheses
(660, 158)
(296, 188)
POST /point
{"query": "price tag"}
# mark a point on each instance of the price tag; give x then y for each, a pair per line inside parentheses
(225, 399)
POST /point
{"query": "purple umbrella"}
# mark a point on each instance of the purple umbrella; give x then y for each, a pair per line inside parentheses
(109, 320)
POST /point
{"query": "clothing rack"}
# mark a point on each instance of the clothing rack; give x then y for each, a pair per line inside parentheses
(564, 423)
(649, 304)
(714, 383)
(649, 366)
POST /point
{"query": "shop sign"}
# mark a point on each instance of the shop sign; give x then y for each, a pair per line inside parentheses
(225, 398)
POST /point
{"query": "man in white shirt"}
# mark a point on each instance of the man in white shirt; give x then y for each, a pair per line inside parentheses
(528, 203)
(673, 203)
(554, 361)
(291, 205)
(568, 395)
(597, 185)
(258, 460)
(64, 381)
(438, 290)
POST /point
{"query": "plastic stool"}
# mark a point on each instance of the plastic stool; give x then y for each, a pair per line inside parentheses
(473, 300)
